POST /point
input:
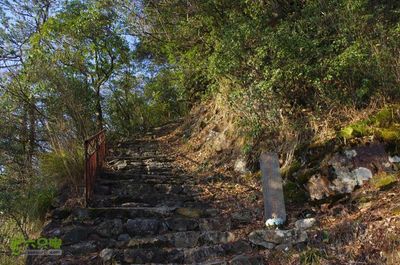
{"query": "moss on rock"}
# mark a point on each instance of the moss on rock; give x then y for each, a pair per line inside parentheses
(385, 125)
(391, 134)
(383, 181)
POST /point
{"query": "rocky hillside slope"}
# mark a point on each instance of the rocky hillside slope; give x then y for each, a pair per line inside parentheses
(346, 186)
(187, 194)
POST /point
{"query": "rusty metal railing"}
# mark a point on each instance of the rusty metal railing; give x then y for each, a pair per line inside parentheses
(95, 153)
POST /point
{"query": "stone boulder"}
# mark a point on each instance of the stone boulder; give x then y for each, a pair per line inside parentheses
(143, 226)
(304, 224)
(106, 254)
(343, 172)
(271, 239)
(240, 166)
(110, 228)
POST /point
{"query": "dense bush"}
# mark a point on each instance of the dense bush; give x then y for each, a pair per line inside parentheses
(286, 63)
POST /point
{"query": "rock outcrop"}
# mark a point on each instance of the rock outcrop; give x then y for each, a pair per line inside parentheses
(343, 172)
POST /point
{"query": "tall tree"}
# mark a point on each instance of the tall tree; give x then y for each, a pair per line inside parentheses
(82, 43)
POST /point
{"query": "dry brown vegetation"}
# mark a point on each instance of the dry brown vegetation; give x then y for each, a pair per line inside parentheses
(360, 228)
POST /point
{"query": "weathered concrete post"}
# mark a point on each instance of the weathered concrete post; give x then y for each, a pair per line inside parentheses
(274, 203)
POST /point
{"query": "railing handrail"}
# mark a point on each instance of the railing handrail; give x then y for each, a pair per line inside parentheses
(95, 135)
(95, 151)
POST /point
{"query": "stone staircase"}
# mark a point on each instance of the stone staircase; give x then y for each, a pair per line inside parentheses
(145, 211)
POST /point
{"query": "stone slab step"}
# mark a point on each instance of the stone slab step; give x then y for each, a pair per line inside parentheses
(146, 200)
(139, 158)
(161, 187)
(141, 212)
(196, 255)
(144, 233)
(137, 177)
(134, 189)
(157, 200)
(186, 239)
(152, 226)
(107, 178)
(139, 173)
(136, 161)
(141, 154)
(138, 166)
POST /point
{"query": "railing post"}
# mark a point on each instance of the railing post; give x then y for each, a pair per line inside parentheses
(86, 173)
(94, 157)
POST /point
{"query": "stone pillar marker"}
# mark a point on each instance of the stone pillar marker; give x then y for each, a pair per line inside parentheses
(274, 203)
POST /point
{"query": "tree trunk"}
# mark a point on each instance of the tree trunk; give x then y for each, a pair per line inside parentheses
(99, 111)
(24, 141)
(32, 136)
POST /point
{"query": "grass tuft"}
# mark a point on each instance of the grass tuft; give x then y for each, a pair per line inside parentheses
(311, 256)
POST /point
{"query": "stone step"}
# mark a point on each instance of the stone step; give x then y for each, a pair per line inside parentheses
(145, 143)
(144, 233)
(66, 259)
(141, 164)
(171, 187)
(138, 158)
(195, 255)
(137, 189)
(145, 171)
(186, 239)
(172, 201)
(141, 154)
(108, 178)
(149, 199)
(148, 226)
(82, 229)
(134, 160)
(141, 212)
(205, 253)
(129, 165)
(111, 160)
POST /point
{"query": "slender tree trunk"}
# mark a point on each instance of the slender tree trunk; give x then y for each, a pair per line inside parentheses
(24, 129)
(32, 136)
(24, 142)
(99, 111)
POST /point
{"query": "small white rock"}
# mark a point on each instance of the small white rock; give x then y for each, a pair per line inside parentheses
(106, 254)
(394, 159)
(350, 153)
(362, 174)
(274, 222)
(121, 165)
(304, 224)
(240, 166)
(387, 164)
